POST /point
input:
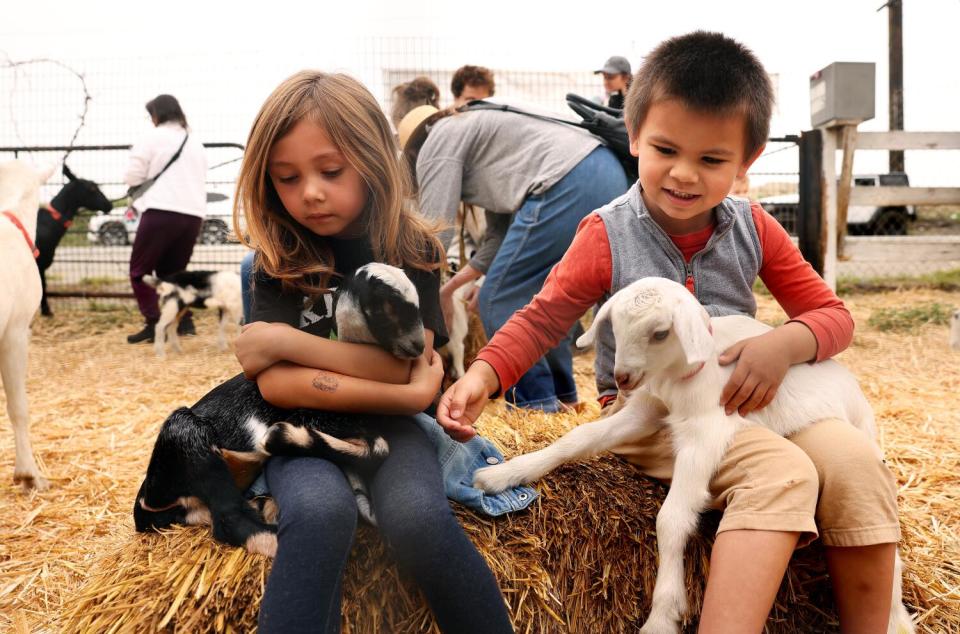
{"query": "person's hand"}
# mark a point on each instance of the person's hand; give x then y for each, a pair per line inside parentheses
(463, 402)
(472, 298)
(761, 365)
(426, 375)
(256, 347)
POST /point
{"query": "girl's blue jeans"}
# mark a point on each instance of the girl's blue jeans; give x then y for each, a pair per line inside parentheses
(540, 233)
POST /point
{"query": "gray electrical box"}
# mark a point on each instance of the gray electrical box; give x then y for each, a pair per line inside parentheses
(843, 92)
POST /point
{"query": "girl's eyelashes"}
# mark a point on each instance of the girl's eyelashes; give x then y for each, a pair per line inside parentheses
(286, 180)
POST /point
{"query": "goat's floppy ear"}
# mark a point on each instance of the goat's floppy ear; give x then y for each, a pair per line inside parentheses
(587, 338)
(691, 326)
(66, 172)
(151, 280)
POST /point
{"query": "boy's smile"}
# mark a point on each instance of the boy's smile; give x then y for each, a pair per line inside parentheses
(688, 161)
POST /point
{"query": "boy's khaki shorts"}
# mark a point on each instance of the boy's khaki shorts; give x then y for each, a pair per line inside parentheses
(828, 475)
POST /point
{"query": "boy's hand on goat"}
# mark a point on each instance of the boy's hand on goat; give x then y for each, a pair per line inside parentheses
(463, 402)
(256, 346)
(762, 362)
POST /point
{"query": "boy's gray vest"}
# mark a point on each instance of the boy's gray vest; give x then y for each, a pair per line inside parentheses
(723, 272)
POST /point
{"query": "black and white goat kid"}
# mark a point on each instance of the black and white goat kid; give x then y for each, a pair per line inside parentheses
(184, 290)
(207, 454)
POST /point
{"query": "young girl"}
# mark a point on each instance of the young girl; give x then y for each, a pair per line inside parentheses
(323, 192)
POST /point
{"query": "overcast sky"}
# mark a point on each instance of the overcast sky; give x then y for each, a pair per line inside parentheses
(260, 42)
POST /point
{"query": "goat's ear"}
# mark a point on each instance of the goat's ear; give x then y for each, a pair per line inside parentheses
(45, 172)
(587, 338)
(66, 172)
(692, 330)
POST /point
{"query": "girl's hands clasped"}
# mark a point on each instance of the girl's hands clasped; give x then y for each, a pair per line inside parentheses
(256, 347)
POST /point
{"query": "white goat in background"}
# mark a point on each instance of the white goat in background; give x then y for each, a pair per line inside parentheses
(666, 356)
(19, 301)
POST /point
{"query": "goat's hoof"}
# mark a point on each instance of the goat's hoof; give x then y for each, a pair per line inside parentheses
(496, 478)
(263, 543)
(660, 626)
(31, 482)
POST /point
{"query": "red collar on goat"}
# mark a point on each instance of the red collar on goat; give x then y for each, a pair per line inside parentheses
(26, 236)
(56, 215)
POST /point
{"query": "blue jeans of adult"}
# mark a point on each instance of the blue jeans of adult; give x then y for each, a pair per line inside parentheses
(539, 235)
(246, 291)
(317, 520)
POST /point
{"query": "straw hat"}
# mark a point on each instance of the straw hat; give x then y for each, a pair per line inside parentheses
(412, 121)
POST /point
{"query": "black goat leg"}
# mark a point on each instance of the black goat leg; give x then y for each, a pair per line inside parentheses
(233, 520)
(286, 439)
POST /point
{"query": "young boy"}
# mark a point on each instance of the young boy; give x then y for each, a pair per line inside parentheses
(698, 113)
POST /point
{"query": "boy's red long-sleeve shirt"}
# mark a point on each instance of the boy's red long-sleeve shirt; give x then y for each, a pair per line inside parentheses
(583, 277)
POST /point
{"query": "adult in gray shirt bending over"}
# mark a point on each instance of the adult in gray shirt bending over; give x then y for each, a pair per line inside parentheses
(536, 180)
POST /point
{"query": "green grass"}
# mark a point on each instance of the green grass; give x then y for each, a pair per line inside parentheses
(901, 319)
(99, 282)
(941, 281)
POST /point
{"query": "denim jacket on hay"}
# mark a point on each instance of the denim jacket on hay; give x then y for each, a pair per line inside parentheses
(458, 462)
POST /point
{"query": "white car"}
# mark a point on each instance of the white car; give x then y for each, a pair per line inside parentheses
(891, 220)
(119, 227)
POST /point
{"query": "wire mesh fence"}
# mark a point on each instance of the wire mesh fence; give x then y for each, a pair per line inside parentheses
(99, 102)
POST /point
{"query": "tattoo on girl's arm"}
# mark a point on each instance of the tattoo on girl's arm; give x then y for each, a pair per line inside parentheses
(325, 382)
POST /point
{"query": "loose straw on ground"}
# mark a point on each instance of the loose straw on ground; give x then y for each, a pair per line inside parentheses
(582, 559)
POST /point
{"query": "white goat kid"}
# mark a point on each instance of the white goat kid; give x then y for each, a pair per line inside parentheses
(666, 357)
(20, 281)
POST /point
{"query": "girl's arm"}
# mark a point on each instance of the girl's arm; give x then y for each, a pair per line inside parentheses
(288, 386)
(261, 345)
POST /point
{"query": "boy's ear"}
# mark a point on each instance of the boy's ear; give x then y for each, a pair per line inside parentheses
(750, 161)
(634, 145)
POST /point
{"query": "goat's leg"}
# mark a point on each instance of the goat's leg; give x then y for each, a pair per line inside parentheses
(638, 419)
(900, 621)
(13, 368)
(225, 317)
(44, 306)
(233, 520)
(695, 464)
(286, 439)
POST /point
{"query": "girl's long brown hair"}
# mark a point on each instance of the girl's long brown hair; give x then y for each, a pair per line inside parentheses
(352, 119)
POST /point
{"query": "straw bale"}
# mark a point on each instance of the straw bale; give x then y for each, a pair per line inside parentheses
(581, 560)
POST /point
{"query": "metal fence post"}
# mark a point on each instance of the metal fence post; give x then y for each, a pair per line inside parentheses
(810, 216)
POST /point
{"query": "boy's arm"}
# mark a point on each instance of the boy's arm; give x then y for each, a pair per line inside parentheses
(803, 294)
(261, 345)
(819, 326)
(575, 284)
(289, 386)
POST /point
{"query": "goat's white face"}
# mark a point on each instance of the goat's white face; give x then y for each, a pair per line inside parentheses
(20, 185)
(658, 326)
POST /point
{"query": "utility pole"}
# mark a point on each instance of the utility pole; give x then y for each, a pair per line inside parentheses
(895, 44)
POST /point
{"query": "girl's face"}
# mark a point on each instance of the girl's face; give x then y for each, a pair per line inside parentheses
(318, 187)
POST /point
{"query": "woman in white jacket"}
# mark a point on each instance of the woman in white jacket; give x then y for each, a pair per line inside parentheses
(172, 209)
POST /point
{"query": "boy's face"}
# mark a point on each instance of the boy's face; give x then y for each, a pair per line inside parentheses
(688, 161)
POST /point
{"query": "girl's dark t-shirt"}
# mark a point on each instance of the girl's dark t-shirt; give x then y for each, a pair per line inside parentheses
(272, 304)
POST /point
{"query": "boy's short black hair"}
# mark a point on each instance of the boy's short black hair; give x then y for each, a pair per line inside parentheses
(708, 72)
(471, 76)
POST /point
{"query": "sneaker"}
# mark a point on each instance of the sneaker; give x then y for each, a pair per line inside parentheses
(186, 328)
(145, 335)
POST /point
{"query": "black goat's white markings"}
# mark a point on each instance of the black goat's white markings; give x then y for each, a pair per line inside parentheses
(325, 382)
(204, 453)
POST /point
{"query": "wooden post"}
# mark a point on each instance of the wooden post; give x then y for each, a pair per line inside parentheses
(828, 188)
(848, 136)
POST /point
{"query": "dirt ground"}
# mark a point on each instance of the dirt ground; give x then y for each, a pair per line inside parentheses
(97, 402)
